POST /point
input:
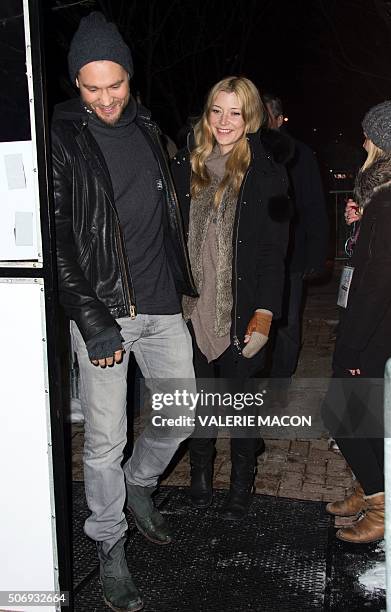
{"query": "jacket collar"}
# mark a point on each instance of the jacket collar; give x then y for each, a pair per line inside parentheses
(277, 143)
(73, 110)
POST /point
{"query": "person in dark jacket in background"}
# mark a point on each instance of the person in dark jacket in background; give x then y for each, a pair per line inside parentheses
(353, 408)
(122, 267)
(307, 251)
(232, 187)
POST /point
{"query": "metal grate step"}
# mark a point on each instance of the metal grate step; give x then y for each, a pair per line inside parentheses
(282, 558)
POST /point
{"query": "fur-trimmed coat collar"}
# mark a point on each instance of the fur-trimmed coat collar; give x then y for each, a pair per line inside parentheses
(276, 142)
(372, 180)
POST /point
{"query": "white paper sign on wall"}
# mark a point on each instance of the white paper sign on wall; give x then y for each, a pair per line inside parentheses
(18, 231)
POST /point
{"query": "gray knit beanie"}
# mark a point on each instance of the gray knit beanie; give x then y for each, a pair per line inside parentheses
(97, 39)
(377, 125)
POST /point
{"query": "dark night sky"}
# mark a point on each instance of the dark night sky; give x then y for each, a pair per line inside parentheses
(328, 59)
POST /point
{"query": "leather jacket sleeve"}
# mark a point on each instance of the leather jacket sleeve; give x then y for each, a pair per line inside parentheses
(77, 297)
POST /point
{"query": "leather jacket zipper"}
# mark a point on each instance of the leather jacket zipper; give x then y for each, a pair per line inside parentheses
(236, 341)
(84, 252)
(125, 273)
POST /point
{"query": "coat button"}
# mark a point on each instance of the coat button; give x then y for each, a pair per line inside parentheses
(239, 278)
(188, 195)
(238, 317)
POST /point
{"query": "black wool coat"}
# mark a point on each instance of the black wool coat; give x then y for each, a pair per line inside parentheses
(364, 334)
(261, 226)
(310, 226)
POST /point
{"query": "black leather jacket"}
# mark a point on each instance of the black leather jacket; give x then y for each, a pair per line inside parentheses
(95, 281)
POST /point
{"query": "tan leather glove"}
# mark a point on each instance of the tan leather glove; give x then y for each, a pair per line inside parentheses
(257, 332)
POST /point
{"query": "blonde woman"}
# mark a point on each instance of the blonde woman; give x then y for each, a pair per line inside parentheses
(364, 340)
(232, 188)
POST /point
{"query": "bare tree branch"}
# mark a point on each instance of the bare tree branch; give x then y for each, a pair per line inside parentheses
(5, 20)
(345, 59)
(78, 3)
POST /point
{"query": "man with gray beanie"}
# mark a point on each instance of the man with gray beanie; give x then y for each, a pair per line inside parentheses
(122, 267)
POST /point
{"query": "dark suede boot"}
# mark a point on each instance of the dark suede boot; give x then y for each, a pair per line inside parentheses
(149, 521)
(241, 488)
(202, 454)
(119, 590)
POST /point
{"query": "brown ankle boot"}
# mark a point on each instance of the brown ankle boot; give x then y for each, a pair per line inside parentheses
(371, 527)
(350, 506)
(341, 522)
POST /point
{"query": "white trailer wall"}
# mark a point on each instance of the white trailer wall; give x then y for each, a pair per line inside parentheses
(28, 547)
(27, 529)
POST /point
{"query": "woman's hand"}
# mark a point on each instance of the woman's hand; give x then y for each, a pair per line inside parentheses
(356, 372)
(352, 214)
(257, 332)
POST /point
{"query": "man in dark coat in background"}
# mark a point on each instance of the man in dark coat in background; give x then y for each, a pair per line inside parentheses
(307, 250)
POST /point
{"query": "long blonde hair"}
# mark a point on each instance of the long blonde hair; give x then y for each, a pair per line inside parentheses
(253, 114)
(373, 154)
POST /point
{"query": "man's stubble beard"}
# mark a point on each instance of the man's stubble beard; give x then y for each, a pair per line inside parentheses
(109, 123)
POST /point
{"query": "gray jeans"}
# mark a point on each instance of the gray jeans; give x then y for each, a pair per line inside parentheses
(163, 350)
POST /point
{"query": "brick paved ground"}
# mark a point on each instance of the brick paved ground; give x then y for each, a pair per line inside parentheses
(297, 468)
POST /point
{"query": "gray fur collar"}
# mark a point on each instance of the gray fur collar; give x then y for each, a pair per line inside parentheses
(372, 180)
(202, 212)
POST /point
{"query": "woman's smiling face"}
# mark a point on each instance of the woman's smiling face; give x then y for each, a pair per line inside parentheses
(226, 120)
